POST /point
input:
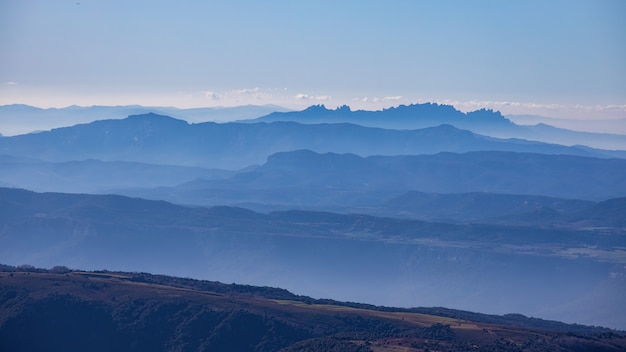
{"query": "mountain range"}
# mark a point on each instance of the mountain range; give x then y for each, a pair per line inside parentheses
(19, 119)
(614, 126)
(396, 213)
(158, 139)
(307, 179)
(608, 134)
(416, 116)
(95, 176)
(333, 182)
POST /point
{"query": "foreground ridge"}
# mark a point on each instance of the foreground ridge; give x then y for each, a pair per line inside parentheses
(74, 310)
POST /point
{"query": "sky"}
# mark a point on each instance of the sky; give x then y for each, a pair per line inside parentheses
(552, 58)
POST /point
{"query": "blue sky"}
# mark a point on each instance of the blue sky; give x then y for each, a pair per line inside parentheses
(556, 58)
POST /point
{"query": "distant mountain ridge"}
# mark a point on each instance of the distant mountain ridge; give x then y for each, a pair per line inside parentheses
(304, 177)
(416, 116)
(20, 119)
(614, 125)
(95, 176)
(404, 116)
(348, 183)
(158, 139)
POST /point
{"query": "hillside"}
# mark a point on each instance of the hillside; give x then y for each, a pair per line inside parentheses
(103, 311)
(481, 206)
(67, 211)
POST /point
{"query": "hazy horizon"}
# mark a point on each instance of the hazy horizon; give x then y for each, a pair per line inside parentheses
(13, 124)
(557, 59)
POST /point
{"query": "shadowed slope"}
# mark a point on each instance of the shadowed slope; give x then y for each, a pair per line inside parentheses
(75, 311)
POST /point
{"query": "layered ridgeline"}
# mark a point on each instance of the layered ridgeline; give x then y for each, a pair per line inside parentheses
(150, 151)
(455, 218)
(308, 179)
(416, 116)
(96, 176)
(62, 309)
(330, 181)
(159, 139)
(571, 270)
(18, 119)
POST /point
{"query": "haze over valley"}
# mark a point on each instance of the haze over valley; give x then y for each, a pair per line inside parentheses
(431, 216)
(355, 176)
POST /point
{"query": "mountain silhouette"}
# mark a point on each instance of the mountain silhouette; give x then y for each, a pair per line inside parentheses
(307, 179)
(416, 116)
(157, 139)
(404, 116)
(20, 119)
(95, 176)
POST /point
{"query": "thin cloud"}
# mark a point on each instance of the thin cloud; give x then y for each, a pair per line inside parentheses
(302, 96)
(212, 95)
(11, 83)
(246, 91)
(379, 100)
(368, 100)
(241, 96)
(249, 95)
